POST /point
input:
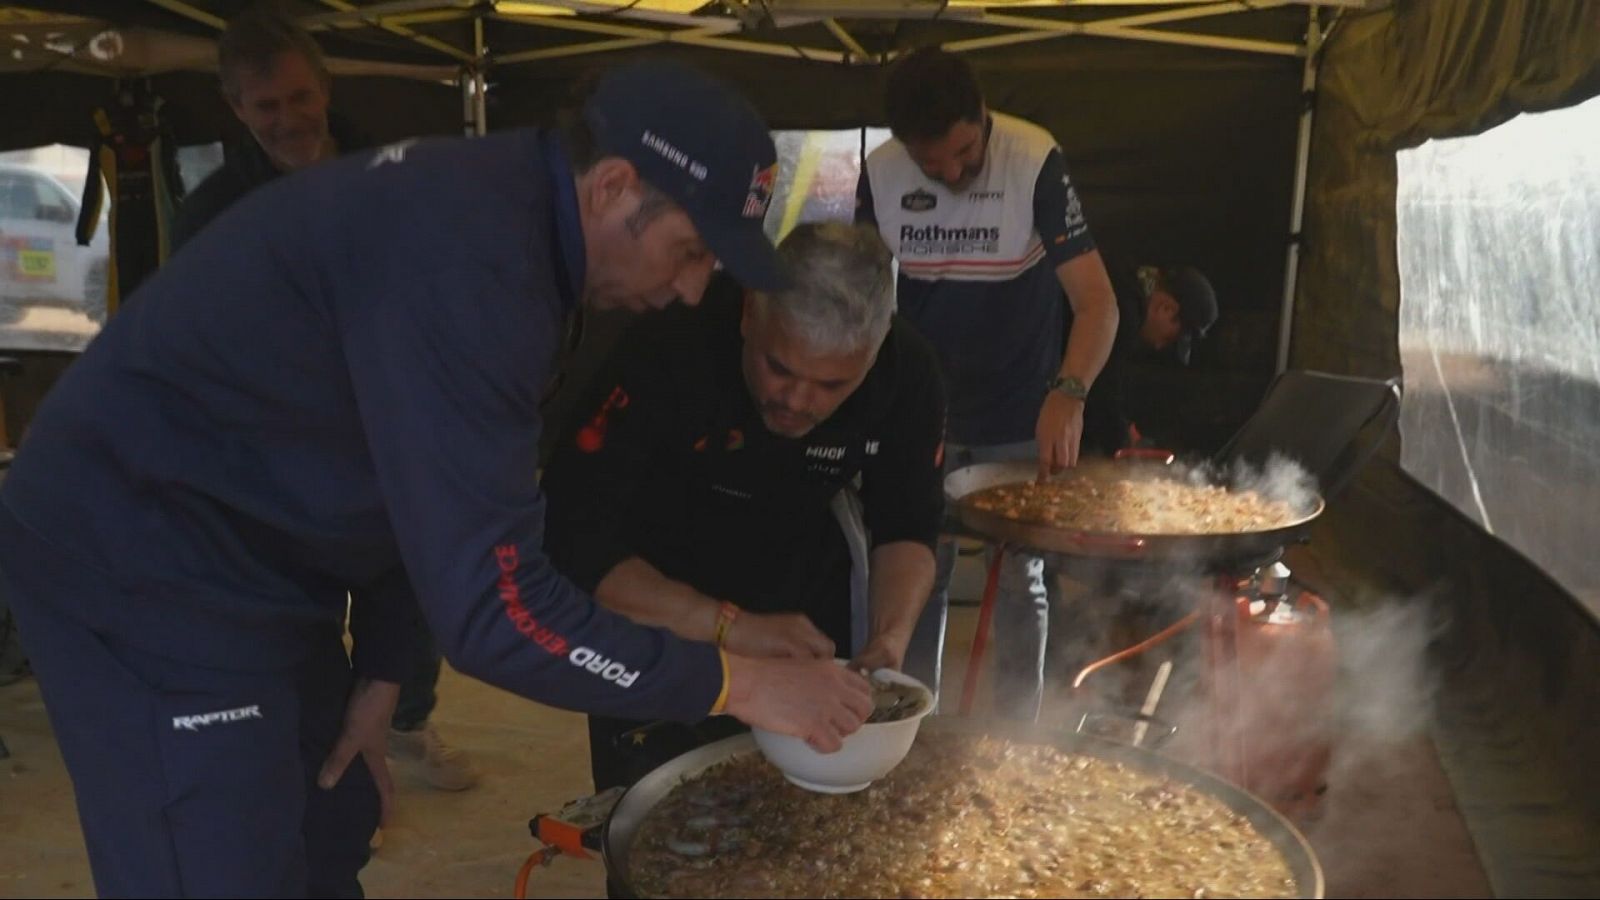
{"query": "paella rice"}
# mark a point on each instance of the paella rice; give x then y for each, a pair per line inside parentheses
(1106, 505)
(963, 816)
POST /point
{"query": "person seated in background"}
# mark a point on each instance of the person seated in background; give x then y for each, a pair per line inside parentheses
(1162, 310)
(709, 491)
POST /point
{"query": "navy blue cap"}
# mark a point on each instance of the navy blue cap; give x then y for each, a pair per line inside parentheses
(1197, 306)
(697, 141)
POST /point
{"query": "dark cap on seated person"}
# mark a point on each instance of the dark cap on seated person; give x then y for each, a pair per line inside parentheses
(1197, 306)
(697, 141)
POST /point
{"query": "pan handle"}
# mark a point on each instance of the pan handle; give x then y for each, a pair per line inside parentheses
(1107, 723)
(1165, 457)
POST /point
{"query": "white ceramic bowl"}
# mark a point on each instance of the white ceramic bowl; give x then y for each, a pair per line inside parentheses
(867, 755)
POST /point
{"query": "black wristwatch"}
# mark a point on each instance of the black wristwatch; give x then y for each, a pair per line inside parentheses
(1069, 385)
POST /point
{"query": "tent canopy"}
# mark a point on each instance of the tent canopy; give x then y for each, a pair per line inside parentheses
(1178, 120)
(768, 45)
(499, 33)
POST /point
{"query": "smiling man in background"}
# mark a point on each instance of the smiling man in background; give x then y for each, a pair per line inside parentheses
(275, 81)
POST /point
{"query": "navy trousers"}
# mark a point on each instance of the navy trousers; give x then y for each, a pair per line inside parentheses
(197, 782)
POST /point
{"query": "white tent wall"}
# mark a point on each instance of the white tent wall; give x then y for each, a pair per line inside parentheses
(1518, 714)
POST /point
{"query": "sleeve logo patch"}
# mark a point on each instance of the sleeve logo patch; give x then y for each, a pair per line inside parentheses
(394, 153)
(1074, 206)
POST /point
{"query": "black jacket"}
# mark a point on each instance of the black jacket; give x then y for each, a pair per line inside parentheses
(673, 464)
(1106, 420)
(246, 168)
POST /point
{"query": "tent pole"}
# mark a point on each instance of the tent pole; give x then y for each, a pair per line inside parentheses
(480, 84)
(1308, 92)
(468, 79)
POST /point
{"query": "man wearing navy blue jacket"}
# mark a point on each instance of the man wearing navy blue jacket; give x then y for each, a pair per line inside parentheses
(336, 387)
(276, 82)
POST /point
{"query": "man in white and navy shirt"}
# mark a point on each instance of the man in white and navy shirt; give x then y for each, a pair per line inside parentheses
(999, 272)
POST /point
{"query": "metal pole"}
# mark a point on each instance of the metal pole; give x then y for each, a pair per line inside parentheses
(980, 638)
(468, 107)
(1291, 273)
(480, 86)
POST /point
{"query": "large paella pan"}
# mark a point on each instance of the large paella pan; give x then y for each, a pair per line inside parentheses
(686, 829)
(1201, 519)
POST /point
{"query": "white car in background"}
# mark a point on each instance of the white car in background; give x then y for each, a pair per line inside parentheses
(41, 262)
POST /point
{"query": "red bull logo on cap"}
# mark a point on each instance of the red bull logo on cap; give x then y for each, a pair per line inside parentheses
(760, 196)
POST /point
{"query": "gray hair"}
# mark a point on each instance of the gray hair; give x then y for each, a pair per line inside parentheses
(842, 293)
(253, 41)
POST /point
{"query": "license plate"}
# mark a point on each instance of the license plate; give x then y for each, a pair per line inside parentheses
(36, 264)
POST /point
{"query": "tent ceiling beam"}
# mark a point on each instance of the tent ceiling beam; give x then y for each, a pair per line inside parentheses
(785, 12)
(793, 51)
(610, 29)
(1132, 28)
(1243, 4)
(910, 9)
(844, 37)
(1137, 20)
(631, 27)
(1132, 34)
(191, 12)
(453, 52)
(49, 49)
(603, 10)
(374, 13)
(527, 56)
(428, 18)
(705, 36)
(605, 46)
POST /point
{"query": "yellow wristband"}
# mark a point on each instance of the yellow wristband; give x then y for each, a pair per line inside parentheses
(726, 613)
(721, 706)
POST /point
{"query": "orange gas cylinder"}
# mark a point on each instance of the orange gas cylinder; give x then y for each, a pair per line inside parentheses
(1271, 686)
